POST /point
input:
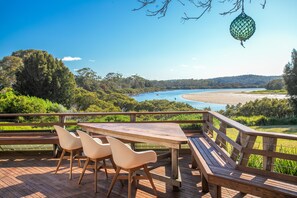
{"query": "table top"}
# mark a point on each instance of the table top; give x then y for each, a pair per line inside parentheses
(166, 134)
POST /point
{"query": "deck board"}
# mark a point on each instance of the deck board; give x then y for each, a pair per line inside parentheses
(32, 175)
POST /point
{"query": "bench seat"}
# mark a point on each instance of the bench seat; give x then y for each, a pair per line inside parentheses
(32, 138)
(216, 171)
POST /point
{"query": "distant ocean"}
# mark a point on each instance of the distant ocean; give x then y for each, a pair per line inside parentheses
(176, 95)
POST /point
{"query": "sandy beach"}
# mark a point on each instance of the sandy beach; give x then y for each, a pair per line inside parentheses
(228, 97)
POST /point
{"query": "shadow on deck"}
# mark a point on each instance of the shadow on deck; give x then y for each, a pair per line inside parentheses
(32, 175)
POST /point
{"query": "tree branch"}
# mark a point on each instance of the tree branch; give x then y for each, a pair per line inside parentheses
(144, 4)
(237, 5)
(206, 5)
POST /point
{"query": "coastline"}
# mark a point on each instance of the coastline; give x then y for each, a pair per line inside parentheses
(228, 97)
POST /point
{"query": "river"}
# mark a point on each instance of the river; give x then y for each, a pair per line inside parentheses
(176, 95)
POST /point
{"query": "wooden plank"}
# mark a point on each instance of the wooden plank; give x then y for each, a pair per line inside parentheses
(219, 140)
(271, 154)
(166, 134)
(256, 180)
(230, 122)
(273, 135)
(205, 119)
(214, 154)
(205, 170)
(225, 137)
(210, 120)
(235, 153)
(249, 187)
(222, 152)
(29, 140)
(101, 113)
(253, 177)
(249, 143)
(205, 150)
(175, 173)
(268, 174)
(269, 144)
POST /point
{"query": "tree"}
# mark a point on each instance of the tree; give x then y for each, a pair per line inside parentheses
(159, 8)
(46, 77)
(88, 79)
(276, 84)
(8, 67)
(290, 78)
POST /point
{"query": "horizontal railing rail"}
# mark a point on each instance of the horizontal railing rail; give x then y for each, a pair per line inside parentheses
(62, 117)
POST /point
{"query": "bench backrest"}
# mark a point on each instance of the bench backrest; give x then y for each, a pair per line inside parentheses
(264, 153)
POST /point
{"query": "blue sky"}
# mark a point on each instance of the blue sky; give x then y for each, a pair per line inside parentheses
(107, 36)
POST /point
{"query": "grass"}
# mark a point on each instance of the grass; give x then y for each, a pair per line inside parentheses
(281, 91)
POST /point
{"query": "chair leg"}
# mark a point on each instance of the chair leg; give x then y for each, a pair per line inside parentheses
(84, 169)
(78, 158)
(113, 181)
(105, 168)
(71, 163)
(129, 183)
(149, 176)
(115, 168)
(60, 160)
(95, 176)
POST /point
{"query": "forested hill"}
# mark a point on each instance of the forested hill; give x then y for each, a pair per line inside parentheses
(243, 81)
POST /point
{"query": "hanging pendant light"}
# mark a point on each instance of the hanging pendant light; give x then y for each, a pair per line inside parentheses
(242, 27)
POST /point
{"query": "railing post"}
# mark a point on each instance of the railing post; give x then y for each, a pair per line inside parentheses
(248, 143)
(207, 117)
(62, 119)
(219, 140)
(235, 153)
(132, 119)
(269, 144)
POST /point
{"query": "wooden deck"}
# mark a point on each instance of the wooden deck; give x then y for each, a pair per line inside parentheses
(32, 175)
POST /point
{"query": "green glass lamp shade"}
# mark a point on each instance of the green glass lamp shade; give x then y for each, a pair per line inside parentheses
(242, 27)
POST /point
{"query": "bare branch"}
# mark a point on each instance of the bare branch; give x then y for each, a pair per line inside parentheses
(205, 5)
(162, 11)
(237, 5)
(263, 4)
(206, 8)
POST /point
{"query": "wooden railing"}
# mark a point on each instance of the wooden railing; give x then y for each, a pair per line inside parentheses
(237, 142)
(62, 117)
(240, 145)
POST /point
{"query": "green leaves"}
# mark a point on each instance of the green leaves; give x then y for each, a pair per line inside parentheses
(290, 78)
(45, 77)
(10, 102)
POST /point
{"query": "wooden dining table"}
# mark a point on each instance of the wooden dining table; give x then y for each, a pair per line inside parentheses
(169, 135)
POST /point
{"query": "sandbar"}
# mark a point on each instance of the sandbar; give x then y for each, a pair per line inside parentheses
(228, 97)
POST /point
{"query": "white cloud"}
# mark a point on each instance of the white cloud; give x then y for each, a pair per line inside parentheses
(69, 58)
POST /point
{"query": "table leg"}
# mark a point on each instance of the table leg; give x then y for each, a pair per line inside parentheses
(175, 167)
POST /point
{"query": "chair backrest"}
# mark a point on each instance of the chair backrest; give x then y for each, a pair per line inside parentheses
(67, 141)
(93, 148)
(122, 154)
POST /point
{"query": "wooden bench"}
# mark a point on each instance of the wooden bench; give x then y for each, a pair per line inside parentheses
(35, 137)
(32, 137)
(219, 168)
